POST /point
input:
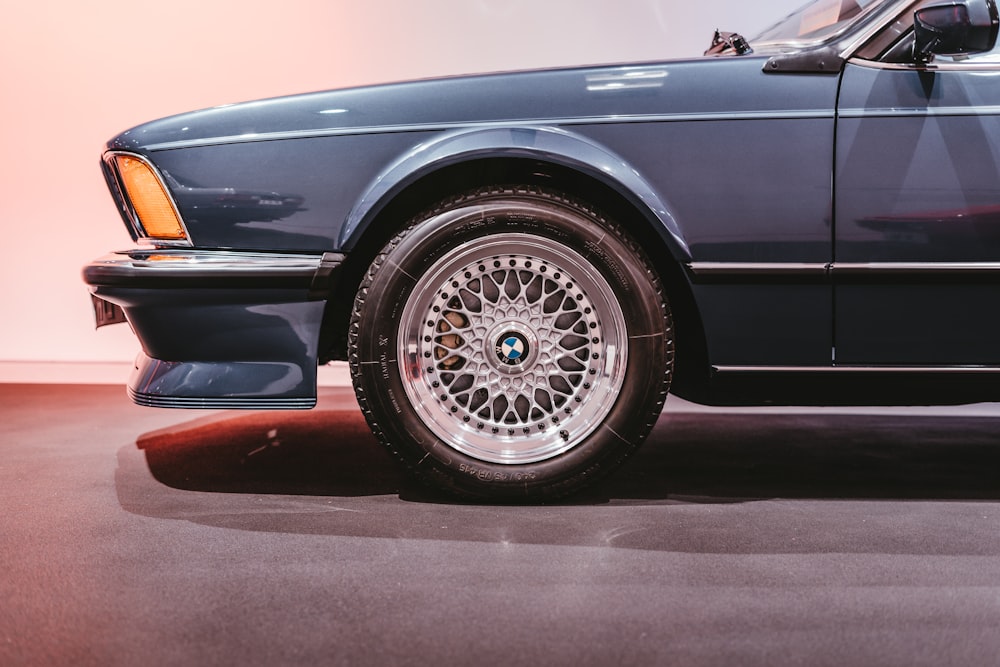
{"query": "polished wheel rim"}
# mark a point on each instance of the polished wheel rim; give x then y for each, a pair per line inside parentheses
(513, 348)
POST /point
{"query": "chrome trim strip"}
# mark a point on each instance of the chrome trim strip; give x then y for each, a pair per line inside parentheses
(860, 369)
(127, 198)
(792, 269)
(218, 260)
(161, 244)
(917, 268)
(782, 114)
(917, 112)
(196, 269)
(928, 67)
(223, 262)
(220, 403)
(705, 269)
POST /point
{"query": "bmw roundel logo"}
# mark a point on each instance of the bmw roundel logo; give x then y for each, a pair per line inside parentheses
(512, 349)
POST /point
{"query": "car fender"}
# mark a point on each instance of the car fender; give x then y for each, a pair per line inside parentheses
(548, 144)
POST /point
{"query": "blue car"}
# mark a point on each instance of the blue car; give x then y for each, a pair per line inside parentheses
(519, 267)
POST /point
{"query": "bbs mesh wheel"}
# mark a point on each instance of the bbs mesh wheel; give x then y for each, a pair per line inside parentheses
(511, 344)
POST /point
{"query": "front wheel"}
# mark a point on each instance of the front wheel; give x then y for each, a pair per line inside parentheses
(511, 344)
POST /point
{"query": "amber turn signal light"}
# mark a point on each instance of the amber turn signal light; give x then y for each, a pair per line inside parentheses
(149, 199)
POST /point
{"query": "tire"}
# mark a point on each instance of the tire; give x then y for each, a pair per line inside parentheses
(511, 344)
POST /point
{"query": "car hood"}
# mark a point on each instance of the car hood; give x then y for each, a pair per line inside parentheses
(688, 86)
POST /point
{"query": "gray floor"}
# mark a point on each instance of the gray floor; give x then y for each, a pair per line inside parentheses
(136, 536)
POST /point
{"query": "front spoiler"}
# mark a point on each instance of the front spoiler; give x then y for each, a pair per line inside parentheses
(258, 385)
(220, 329)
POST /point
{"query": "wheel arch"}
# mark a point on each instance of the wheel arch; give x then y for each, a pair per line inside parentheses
(423, 166)
(547, 157)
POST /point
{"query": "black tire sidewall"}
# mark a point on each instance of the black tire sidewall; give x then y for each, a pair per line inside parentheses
(391, 285)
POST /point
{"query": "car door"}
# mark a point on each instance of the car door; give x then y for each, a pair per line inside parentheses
(917, 210)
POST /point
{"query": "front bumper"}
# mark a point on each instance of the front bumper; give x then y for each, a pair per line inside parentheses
(220, 329)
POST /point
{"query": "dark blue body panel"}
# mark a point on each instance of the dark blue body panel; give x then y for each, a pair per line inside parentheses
(917, 169)
(219, 329)
(918, 184)
(732, 164)
(816, 207)
(712, 141)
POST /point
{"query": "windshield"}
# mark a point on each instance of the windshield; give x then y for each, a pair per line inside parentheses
(818, 21)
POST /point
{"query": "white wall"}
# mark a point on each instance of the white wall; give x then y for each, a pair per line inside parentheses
(72, 74)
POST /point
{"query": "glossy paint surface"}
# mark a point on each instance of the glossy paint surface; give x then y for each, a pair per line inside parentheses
(218, 329)
(84, 83)
(918, 156)
(822, 212)
(709, 148)
(695, 135)
(918, 183)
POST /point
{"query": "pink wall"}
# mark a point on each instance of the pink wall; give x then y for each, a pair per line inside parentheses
(74, 74)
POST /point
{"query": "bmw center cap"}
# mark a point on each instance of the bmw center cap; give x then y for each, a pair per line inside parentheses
(512, 348)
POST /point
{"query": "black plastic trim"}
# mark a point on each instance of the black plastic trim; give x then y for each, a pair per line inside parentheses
(823, 60)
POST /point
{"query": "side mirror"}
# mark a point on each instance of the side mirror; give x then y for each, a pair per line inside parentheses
(954, 28)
